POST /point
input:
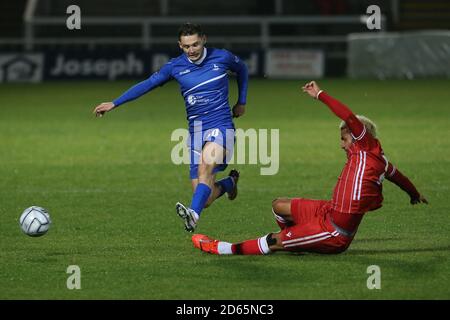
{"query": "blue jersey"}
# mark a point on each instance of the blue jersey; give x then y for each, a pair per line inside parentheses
(203, 85)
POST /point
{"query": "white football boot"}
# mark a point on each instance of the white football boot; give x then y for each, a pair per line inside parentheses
(188, 215)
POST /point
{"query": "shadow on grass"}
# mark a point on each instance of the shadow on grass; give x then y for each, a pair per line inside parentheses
(375, 240)
(395, 251)
(289, 268)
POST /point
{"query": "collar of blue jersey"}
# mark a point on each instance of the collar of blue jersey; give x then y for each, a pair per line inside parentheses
(201, 59)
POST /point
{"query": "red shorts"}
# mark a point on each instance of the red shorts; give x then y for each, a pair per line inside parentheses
(312, 230)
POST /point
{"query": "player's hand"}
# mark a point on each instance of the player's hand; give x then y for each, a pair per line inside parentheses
(421, 199)
(102, 108)
(238, 110)
(311, 88)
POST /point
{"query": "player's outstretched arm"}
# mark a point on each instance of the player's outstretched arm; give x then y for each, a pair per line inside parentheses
(155, 80)
(396, 177)
(338, 108)
(131, 94)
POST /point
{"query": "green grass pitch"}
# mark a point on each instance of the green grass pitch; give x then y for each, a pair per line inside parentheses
(110, 188)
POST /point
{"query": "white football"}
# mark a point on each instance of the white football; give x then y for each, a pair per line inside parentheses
(35, 221)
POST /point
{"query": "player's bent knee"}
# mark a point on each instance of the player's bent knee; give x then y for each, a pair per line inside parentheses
(275, 204)
(282, 206)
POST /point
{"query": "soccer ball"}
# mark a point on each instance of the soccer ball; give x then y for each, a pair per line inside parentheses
(35, 221)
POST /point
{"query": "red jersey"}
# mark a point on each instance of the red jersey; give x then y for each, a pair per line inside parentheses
(359, 187)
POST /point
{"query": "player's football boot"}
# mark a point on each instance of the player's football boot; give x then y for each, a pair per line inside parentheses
(234, 174)
(205, 243)
(196, 238)
(188, 216)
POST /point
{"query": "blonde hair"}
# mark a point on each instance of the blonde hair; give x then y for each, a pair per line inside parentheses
(369, 124)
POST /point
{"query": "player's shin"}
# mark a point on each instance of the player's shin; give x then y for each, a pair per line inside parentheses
(200, 197)
(252, 247)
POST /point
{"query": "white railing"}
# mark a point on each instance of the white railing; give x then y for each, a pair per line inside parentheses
(264, 39)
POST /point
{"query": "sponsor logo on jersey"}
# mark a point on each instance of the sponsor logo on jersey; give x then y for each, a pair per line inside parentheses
(191, 99)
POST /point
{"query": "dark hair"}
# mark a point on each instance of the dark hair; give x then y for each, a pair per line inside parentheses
(189, 29)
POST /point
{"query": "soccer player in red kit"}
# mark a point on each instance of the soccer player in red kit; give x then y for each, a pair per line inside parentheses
(325, 226)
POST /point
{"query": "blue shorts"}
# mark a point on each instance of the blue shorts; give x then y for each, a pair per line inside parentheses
(223, 136)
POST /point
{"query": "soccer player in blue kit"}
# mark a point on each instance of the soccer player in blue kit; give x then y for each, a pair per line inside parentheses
(202, 75)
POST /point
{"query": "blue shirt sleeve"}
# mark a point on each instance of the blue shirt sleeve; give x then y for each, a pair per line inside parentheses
(157, 79)
(238, 66)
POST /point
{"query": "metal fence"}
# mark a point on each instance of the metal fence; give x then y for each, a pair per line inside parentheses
(264, 38)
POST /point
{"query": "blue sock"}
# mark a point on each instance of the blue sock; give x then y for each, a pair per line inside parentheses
(200, 197)
(226, 185)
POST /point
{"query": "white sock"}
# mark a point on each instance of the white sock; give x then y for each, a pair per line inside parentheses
(264, 247)
(196, 216)
(224, 247)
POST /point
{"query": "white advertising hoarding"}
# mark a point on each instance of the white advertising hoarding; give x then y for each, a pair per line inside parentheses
(294, 63)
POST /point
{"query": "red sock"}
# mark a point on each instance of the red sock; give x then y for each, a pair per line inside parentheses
(251, 247)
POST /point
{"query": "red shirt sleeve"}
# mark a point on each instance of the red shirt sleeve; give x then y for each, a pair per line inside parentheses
(356, 127)
(395, 176)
